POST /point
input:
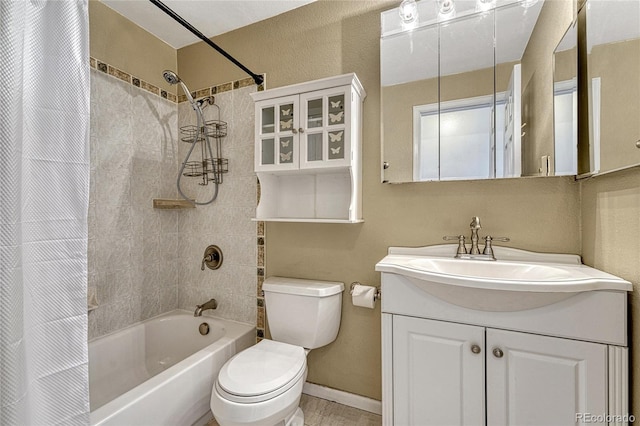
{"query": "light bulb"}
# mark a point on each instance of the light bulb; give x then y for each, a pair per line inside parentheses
(485, 5)
(446, 9)
(408, 11)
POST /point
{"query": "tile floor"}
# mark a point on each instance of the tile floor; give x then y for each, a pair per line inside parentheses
(321, 412)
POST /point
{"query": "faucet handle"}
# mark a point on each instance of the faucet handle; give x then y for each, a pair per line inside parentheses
(462, 249)
(488, 249)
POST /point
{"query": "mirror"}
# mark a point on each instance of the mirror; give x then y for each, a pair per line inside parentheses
(613, 83)
(565, 103)
(456, 107)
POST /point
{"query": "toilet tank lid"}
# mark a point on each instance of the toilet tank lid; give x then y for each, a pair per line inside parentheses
(313, 288)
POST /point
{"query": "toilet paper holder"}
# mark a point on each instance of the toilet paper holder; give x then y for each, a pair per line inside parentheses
(377, 296)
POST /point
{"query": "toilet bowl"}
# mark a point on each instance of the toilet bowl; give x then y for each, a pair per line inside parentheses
(262, 385)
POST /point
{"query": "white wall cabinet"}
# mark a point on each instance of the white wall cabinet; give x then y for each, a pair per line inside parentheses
(308, 151)
(447, 365)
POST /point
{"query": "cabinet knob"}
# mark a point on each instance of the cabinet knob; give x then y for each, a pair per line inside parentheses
(638, 144)
(497, 352)
(301, 130)
(476, 349)
(295, 131)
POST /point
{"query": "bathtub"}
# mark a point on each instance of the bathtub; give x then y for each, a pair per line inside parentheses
(161, 371)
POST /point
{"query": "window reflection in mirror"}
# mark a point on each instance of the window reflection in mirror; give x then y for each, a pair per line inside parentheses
(565, 104)
(488, 113)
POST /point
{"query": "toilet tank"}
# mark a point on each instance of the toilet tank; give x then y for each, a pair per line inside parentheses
(303, 312)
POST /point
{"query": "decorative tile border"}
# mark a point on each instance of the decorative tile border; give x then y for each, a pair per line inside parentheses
(261, 260)
(201, 93)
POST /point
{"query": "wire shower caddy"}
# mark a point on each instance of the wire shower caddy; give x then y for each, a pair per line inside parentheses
(212, 166)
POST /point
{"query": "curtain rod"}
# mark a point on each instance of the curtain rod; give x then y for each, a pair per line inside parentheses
(257, 78)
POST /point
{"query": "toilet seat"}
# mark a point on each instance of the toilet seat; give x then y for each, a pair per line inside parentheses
(261, 372)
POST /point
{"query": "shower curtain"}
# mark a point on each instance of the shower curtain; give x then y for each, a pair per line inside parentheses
(44, 179)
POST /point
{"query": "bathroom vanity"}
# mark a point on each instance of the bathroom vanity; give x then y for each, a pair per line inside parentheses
(530, 338)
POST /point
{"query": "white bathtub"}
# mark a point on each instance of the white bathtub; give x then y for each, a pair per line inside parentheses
(160, 371)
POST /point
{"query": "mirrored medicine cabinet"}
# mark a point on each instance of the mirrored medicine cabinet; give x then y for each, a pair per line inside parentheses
(609, 44)
(479, 94)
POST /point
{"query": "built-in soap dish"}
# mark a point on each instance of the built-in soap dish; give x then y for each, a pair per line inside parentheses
(168, 204)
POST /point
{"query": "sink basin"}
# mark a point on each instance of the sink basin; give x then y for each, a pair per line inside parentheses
(517, 280)
(509, 271)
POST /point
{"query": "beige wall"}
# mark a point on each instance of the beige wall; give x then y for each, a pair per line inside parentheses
(611, 242)
(335, 37)
(119, 42)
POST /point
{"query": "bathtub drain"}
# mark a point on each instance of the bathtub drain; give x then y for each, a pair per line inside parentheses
(204, 328)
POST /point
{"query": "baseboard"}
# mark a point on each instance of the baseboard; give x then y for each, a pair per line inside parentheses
(345, 398)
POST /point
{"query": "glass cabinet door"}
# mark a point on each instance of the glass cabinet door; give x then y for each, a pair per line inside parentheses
(324, 136)
(277, 130)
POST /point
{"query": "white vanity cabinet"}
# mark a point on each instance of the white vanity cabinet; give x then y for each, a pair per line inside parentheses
(308, 151)
(464, 350)
(442, 370)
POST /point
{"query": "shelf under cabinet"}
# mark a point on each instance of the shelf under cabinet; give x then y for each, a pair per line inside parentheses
(318, 196)
(305, 220)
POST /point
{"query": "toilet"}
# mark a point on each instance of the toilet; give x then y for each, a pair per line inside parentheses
(262, 385)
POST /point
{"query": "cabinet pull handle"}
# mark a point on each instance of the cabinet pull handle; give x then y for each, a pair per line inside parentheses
(476, 349)
(497, 352)
(295, 131)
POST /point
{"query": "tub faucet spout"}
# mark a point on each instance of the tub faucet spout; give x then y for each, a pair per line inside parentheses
(211, 304)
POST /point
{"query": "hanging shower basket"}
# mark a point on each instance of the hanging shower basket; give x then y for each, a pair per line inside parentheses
(212, 128)
(213, 169)
(209, 169)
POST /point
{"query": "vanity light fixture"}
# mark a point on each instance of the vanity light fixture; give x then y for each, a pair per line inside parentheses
(446, 9)
(485, 5)
(408, 11)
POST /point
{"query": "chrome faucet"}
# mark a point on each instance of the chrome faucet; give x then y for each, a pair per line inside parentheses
(474, 253)
(475, 226)
(211, 304)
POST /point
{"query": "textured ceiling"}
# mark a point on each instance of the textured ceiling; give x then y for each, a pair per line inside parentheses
(211, 17)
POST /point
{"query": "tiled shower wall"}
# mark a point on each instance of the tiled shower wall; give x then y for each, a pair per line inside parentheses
(144, 262)
(227, 221)
(133, 249)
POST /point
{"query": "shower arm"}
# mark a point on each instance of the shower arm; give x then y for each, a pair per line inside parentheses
(257, 78)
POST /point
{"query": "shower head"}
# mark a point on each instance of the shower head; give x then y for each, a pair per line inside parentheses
(172, 78)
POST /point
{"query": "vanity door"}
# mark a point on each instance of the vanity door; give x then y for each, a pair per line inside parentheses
(540, 380)
(325, 139)
(438, 373)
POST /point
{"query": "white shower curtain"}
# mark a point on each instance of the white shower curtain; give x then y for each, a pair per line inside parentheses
(44, 179)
